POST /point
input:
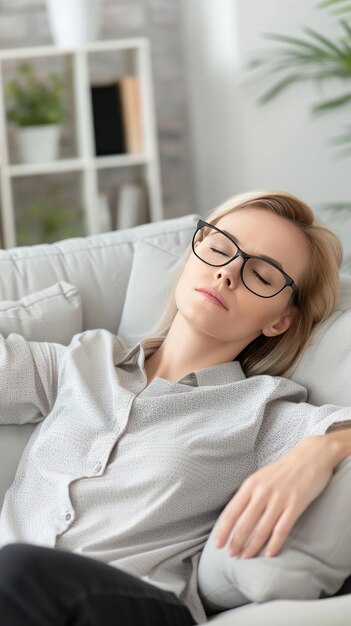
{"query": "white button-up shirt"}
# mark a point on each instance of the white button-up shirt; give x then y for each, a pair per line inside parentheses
(136, 475)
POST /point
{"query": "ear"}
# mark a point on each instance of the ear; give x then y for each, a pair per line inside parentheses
(282, 324)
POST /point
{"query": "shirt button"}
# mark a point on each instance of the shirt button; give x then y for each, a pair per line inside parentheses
(68, 517)
(97, 468)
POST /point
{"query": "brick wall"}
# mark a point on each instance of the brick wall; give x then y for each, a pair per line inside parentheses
(24, 23)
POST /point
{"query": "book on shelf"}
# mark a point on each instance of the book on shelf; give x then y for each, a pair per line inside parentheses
(108, 119)
(105, 222)
(132, 116)
(132, 205)
(117, 117)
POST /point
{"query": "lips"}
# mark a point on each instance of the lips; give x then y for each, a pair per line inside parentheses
(215, 295)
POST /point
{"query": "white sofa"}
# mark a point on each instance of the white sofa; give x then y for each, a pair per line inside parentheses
(120, 281)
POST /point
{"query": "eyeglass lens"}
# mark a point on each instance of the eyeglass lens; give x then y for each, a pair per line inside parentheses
(260, 277)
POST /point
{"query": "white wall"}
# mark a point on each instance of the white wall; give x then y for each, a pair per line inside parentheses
(238, 144)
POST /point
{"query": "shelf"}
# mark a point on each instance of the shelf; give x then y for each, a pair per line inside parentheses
(133, 54)
(74, 165)
(46, 51)
(34, 169)
(121, 160)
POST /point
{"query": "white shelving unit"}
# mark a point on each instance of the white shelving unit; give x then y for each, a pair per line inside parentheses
(86, 162)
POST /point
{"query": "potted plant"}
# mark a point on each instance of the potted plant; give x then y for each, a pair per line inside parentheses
(36, 108)
(74, 22)
(313, 57)
(49, 220)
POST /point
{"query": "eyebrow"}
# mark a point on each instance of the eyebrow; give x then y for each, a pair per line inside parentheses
(262, 256)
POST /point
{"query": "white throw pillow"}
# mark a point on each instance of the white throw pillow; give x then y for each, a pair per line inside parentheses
(314, 562)
(53, 314)
(154, 273)
(325, 366)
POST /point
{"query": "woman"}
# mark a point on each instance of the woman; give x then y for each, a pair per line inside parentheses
(141, 449)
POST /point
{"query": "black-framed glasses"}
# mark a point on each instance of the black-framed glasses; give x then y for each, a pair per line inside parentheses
(259, 275)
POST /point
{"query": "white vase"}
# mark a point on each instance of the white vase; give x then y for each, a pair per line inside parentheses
(74, 22)
(38, 144)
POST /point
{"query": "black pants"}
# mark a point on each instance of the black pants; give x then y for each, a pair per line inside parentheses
(48, 587)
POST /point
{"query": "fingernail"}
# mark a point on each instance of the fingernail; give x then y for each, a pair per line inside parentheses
(217, 543)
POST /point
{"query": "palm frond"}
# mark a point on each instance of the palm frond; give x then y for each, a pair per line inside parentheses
(333, 3)
(329, 3)
(344, 139)
(310, 57)
(294, 41)
(269, 94)
(333, 103)
(342, 11)
(346, 26)
(302, 67)
(303, 51)
(342, 144)
(323, 40)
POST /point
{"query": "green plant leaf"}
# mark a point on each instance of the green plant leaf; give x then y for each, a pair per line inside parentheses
(328, 3)
(311, 57)
(34, 208)
(294, 41)
(327, 42)
(333, 103)
(34, 102)
(343, 139)
(333, 3)
(278, 87)
(346, 26)
(343, 11)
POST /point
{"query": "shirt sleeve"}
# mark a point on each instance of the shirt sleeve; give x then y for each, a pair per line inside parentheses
(288, 419)
(28, 378)
(339, 426)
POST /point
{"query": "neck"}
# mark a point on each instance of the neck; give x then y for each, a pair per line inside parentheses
(186, 350)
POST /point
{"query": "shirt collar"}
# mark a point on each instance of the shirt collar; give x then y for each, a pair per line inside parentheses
(138, 354)
(222, 374)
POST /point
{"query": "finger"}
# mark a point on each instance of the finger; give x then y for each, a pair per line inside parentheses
(262, 532)
(230, 515)
(245, 525)
(281, 531)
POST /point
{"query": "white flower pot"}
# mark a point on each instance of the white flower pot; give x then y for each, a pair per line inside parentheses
(38, 144)
(74, 22)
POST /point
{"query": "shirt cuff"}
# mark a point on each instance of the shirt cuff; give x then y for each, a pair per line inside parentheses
(338, 426)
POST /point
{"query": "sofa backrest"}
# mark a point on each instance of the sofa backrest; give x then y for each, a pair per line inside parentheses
(99, 266)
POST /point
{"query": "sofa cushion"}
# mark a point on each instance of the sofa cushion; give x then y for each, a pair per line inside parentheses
(156, 265)
(52, 314)
(324, 368)
(314, 562)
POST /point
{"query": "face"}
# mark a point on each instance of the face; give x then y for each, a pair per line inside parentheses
(245, 315)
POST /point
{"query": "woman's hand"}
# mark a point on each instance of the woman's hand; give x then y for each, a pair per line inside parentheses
(269, 502)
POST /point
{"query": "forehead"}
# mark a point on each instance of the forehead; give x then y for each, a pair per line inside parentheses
(260, 231)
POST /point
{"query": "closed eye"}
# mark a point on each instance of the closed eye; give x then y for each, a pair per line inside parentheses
(220, 252)
(260, 278)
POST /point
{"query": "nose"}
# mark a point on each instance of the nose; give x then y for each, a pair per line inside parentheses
(230, 273)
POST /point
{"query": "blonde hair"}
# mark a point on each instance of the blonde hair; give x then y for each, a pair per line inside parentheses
(318, 287)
